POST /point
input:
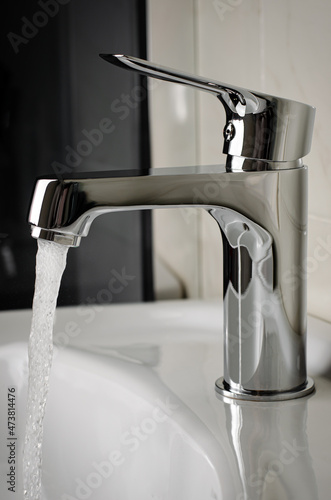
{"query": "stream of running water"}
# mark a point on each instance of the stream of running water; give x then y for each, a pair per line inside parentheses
(50, 264)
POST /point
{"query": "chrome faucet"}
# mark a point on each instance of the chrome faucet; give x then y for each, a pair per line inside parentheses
(259, 200)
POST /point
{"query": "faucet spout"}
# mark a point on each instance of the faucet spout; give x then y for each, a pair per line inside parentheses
(261, 212)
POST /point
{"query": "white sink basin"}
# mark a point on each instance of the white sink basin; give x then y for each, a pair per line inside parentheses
(132, 412)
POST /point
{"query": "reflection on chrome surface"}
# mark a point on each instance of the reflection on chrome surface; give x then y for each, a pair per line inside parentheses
(259, 200)
(270, 443)
(258, 126)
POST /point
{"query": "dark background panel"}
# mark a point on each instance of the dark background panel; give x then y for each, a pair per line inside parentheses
(65, 110)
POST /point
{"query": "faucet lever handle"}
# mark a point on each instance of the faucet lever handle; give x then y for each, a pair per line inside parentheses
(233, 96)
(258, 126)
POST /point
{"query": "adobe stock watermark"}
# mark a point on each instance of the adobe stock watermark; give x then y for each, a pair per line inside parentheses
(294, 279)
(223, 7)
(207, 194)
(31, 27)
(321, 253)
(92, 139)
(259, 313)
(275, 468)
(89, 310)
(117, 283)
(131, 440)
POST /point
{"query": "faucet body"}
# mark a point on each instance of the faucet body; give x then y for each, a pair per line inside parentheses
(263, 220)
(260, 206)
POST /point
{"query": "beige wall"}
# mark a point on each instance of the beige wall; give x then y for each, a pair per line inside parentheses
(280, 47)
